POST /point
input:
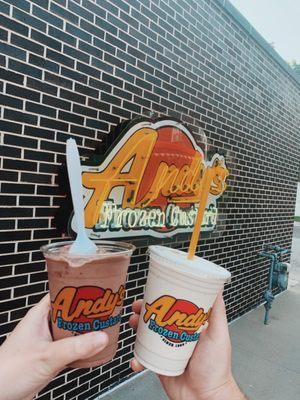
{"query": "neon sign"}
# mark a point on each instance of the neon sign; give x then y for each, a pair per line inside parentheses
(149, 183)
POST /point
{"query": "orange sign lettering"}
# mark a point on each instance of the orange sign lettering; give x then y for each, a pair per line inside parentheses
(154, 167)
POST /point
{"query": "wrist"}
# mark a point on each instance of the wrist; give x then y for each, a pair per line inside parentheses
(228, 391)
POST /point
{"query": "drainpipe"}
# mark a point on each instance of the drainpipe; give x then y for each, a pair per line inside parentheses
(268, 295)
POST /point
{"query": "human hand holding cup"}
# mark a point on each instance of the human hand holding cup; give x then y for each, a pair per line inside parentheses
(86, 278)
(208, 375)
(87, 292)
(177, 304)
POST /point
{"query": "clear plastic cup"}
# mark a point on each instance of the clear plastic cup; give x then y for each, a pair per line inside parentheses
(87, 293)
(178, 299)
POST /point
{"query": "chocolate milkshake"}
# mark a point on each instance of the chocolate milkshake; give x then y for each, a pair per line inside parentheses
(87, 293)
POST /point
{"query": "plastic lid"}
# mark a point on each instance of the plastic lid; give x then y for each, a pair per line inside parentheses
(105, 249)
(197, 266)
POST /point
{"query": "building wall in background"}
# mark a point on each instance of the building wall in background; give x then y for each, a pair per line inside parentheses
(297, 209)
(76, 68)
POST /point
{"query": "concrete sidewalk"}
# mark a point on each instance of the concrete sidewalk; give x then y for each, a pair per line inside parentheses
(266, 359)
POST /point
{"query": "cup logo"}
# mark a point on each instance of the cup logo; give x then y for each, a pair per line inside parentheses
(177, 321)
(86, 308)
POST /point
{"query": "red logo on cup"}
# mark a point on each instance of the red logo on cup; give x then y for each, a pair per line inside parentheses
(176, 319)
(85, 303)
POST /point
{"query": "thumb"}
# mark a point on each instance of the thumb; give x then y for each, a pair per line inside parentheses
(218, 326)
(65, 351)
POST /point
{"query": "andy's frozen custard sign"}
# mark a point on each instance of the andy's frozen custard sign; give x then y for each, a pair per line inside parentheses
(150, 183)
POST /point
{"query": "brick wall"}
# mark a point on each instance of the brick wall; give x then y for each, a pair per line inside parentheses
(76, 68)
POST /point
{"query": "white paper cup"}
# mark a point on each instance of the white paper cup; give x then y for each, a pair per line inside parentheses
(178, 298)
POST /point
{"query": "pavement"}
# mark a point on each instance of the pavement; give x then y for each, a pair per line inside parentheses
(265, 359)
(295, 259)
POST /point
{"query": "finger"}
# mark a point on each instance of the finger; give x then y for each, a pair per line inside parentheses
(136, 306)
(204, 329)
(37, 317)
(44, 303)
(41, 308)
(217, 320)
(216, 331)
(136, 366)
(65, 351)
(134, 321)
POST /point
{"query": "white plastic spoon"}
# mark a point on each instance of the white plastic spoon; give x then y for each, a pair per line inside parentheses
(82, 244)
